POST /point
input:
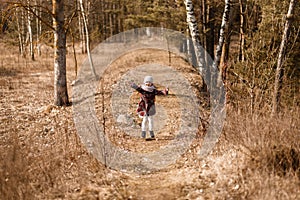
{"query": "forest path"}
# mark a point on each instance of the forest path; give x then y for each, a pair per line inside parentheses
(173, 181)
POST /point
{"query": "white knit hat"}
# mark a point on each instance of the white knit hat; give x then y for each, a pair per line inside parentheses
(148, 79)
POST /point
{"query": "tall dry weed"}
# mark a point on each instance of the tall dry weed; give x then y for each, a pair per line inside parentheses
(14, 181)
(272, 152)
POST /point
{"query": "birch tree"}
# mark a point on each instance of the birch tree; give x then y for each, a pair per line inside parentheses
(30, 34)
(19, 14)
(87, 37)
(224, 24)
(281, 57)
(242, 31)
(194, 31)
(60, 79)
(81, 31)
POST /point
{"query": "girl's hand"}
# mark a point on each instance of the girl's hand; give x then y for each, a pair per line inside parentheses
(130, 83)
(133, 85)
(167, 90)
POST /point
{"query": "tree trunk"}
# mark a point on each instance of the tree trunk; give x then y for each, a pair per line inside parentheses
(281, 58)
(81, 32)
(242, 32)
(87, 38)
(226, 46)
(204, 27)
(219, 48)
(38, 27)
(192, 24)
(20, 31)
(30, 34)
(210, 43)
(74, 54)
(60, 79)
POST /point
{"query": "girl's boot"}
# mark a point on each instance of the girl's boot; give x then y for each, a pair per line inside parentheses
(143, 134)
(152, 134)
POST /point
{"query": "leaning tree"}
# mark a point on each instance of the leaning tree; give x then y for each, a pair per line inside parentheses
(281, 58)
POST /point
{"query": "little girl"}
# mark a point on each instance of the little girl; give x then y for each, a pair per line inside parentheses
(146, 107)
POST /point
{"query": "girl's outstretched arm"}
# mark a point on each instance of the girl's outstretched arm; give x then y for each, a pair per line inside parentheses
(137, 88)
(163, 92)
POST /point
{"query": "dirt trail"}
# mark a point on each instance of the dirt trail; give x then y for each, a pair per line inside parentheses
(174, 181)
(168, 117)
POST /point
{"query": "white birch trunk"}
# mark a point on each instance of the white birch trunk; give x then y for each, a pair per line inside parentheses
(192, 24)
(224, 24)
(281, 58)
(31, 48)
(81, 35)
(20, 32)
(87, 37)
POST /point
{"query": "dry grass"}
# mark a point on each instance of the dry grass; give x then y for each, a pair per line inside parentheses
(41, 156)
(271, 153)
